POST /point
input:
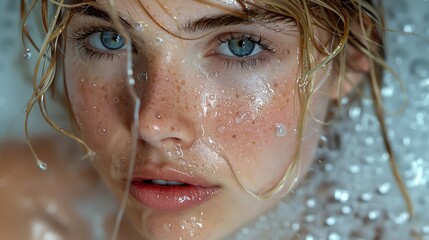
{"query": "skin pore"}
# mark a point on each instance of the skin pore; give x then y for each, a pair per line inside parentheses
(205, 113)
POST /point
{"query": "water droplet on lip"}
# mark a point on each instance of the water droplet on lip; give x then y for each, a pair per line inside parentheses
(280, 129)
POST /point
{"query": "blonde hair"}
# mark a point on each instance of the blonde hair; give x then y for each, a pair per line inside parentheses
(334, 16)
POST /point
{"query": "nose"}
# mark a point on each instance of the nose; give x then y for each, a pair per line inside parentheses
(164, 118)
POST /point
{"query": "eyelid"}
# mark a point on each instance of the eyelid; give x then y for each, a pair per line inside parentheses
(79, 36)
(266, 45)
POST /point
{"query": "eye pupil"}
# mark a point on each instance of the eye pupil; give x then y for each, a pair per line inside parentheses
(241, 47)
(112, 40)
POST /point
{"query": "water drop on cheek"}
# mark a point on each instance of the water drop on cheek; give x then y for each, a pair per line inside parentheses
(159, 40)
(102, 130)
(280, 130)
(221, 129)
(142, 76)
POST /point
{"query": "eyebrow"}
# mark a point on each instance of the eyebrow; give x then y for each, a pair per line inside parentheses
(202, 24)
(248, 18)
(94, 12)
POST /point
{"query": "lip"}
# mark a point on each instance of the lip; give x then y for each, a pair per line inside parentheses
(171, 197)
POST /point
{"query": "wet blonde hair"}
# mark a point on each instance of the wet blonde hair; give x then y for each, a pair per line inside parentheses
(354, 23)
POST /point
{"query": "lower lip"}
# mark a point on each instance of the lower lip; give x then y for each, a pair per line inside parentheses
(169, 197)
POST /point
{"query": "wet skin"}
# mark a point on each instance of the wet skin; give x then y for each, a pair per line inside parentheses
(206, 114)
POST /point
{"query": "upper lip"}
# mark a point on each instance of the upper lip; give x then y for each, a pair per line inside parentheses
(169, 174)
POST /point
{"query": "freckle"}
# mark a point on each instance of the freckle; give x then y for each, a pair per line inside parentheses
(234, 136)
(275, 84)
(237, 96)
(172, 129)
(253, 121)
(253, 143)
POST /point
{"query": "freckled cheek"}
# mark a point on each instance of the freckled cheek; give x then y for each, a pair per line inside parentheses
(249, 137)
(99, 107)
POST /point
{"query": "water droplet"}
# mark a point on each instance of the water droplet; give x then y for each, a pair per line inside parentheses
(425, 229)
(366, 197)
(221, 129)
(216, 74)
(408, 27)
(355, 111)
(334, 236)
(311, 203)
(373, 215)
(42, 165)
(341, 195)
(116, 100)
(384, 188)
(330, 221)
(309, 237)
(158, 115)
(139, 26)
(280, 130)
(400, 218)
(346, 210)
(102, 130)
(310, 218)
(240, 118)
(27, 53)
(354, 169)
(158, 40)
(167, 227)
(142, 76)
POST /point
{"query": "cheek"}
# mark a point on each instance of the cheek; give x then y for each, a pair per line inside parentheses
(246, 129)
(99, 103)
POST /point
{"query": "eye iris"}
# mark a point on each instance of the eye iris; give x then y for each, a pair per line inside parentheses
(241, 47)
(112, 40)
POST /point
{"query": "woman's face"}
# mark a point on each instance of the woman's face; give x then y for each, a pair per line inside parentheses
(219, 110)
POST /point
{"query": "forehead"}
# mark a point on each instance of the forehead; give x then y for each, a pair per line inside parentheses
(173, 11)
(184, 16)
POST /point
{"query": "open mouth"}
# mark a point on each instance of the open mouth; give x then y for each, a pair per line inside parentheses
(164, 182)
(171, 195)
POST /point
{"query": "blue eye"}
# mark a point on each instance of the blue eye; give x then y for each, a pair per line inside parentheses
(239, 47)
(107, 40)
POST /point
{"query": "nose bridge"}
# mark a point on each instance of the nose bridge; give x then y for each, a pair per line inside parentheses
(163, 114)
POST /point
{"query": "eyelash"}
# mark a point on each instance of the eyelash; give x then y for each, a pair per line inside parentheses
(79, 37)
(247, 62)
